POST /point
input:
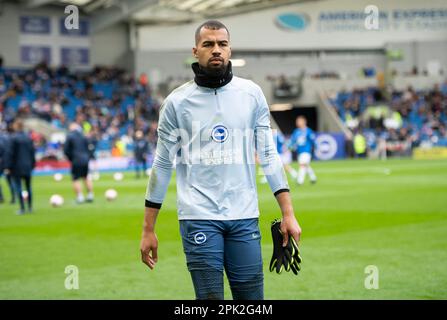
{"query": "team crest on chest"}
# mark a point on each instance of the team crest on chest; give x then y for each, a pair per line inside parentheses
(219, 133)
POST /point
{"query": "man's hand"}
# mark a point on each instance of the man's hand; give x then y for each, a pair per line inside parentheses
(290, 226)
(149, 241)
(148, 248)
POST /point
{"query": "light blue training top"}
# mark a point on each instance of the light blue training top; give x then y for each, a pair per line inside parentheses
(211, 137)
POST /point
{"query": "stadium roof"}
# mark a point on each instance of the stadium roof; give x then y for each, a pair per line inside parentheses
(108, 12)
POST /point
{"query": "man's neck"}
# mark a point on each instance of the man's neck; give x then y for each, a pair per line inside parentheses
(205, 78)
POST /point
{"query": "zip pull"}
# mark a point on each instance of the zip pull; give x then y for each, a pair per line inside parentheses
(217, 102)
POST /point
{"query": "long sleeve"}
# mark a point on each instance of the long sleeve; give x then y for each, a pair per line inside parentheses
(33, 155)
(167, 147)
(292, 142)
(10, 155)
(67, 148)
(268, 156)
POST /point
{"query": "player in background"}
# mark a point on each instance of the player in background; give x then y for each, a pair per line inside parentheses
(20, 164)
(5, 149)
(303, 141)
(3, 157)
(141, 150)
(77, 151)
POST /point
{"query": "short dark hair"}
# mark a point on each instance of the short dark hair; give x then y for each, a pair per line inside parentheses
(212, 25)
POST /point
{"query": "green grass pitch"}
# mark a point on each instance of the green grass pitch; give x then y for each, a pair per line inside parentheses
(390, 214)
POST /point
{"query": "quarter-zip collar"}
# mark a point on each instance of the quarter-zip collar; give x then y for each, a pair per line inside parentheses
(206, 80)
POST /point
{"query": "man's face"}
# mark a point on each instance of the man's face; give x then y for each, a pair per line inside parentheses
(213, 49)
(300, 123)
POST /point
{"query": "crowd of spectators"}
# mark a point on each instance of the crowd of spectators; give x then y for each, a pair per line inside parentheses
(402, 119)
(109, 103)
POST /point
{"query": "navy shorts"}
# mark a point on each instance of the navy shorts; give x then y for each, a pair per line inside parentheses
(79, 171)
(233, 245)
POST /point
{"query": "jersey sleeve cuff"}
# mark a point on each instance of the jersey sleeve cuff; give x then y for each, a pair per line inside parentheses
(150, 204)
(280, 191)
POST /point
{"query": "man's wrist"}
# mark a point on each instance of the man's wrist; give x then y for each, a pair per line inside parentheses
(288, 213)
(148, 229)
(150, 218)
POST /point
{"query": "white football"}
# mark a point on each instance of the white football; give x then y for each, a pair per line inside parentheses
(24, 194)
(111, 194)
(56, 200)
(58, 176)
(118, 176)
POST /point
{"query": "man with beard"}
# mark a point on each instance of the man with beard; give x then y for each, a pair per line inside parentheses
(212, 126)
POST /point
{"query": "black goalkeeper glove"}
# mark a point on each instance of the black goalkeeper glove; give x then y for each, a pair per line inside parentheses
(295, 265)
(279, 260)
(287, 257)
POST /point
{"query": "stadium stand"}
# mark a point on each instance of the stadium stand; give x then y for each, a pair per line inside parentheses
(108, 103)
(408, 118)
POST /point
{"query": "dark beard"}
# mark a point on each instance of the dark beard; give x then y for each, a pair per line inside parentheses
(214, 71)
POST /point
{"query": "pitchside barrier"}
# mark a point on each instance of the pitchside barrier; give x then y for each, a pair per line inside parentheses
(102, 164)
